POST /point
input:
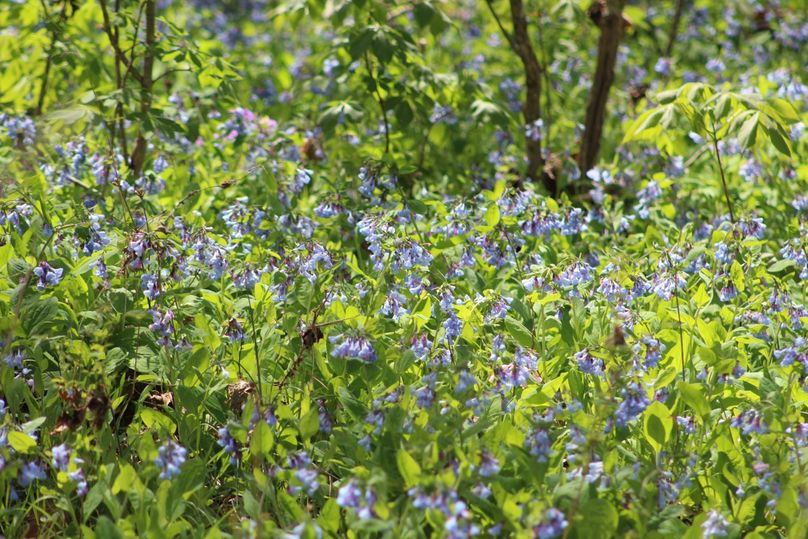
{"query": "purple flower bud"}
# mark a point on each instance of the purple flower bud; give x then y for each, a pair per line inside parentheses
(170, 457)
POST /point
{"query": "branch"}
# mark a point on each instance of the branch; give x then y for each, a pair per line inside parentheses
(113, 41)
(54, 39)
(501, 27)
(171, 72)
(677, 17)
(131, 50)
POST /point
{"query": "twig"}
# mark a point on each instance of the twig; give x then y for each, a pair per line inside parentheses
(45, 75)
(499, 23)
(135, 42)
(171, 72)
(381, 105)
(113, 40)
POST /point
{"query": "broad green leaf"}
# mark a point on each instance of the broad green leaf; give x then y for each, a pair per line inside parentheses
(127, 480)
(408, 467)
(71, 115)
(657, 425)
(784, 109)
(737, 275)
(693, 396)
(310, 424)
(748, 131)
(780, 142)
(519, 332)
(262, 439)
(781, 266)
(596, 519)
(492, 215)
(21, 442)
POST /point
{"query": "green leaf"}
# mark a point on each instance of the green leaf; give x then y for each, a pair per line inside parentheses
(518, 331)
(403, 113)
(737, 275)
(153, 418)
(706, 331)
(351, 403)
(262, 439)
(106, 528)
(748, 131)
(702, 297)
(31, 426)
(17, 269)
(127, 480)
(780, 143)
(310, 424)
(20, 441)
(482, 110)
(39, 316)
(423, 14)
(329, 516)
(781, 266)
(71, 115)
(723, 105)
(692, 396)
(657, 425)
(784, 109)
(339, 113)
(251, 505)
(359, 43)
(421, 315)
(596, 519)
(648, 119)
(408, 467)
(492, 215)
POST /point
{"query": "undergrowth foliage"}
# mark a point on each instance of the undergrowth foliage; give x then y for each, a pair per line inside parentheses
(266, 281)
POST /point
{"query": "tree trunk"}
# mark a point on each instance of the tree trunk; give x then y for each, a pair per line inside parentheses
(139, 153)
(674, 32)
(532, 109)
(608, 15)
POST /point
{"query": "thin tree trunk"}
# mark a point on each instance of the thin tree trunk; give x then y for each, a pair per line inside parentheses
(674, 33)
(532, 109)
(43, 89)
(610, 21)
(146, 84)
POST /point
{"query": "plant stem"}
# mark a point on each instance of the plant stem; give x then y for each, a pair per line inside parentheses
(255, 351)
(678, 313)
(723, 178)
(381, 105)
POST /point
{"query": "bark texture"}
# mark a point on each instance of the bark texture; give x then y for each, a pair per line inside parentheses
(146, 85)
(532, 108)
(608, 16)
